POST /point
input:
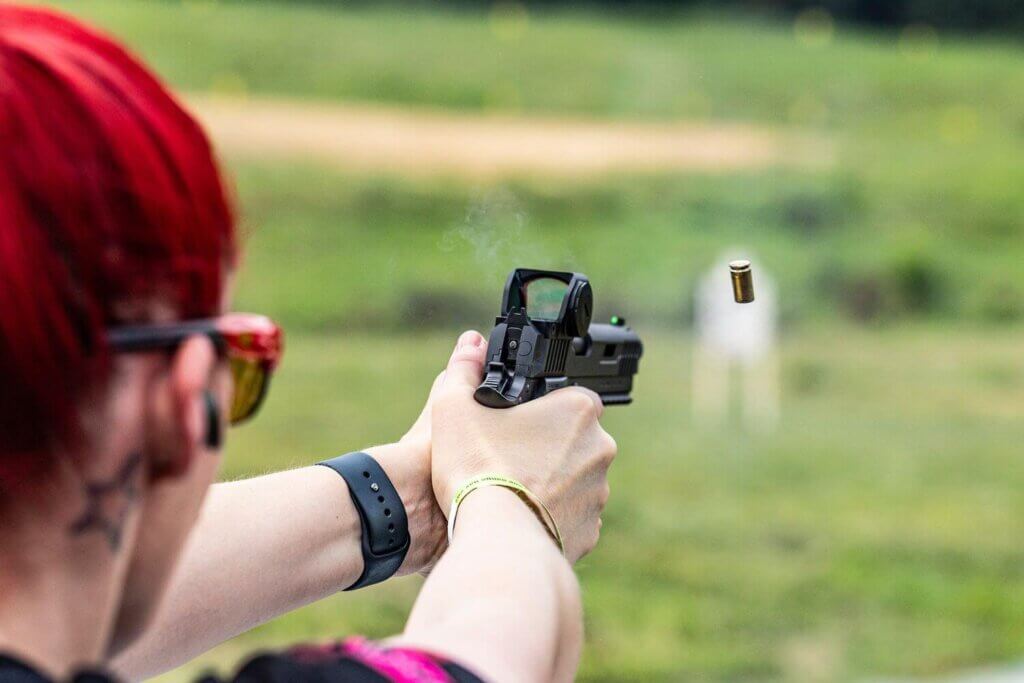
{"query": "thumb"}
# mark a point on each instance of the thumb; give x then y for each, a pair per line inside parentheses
(466, 366)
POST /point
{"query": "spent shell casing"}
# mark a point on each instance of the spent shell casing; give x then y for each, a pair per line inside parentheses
(742, 281)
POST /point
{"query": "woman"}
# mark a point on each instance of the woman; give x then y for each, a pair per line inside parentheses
(121, 370)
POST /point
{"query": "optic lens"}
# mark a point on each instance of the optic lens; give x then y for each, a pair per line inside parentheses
(544, 298)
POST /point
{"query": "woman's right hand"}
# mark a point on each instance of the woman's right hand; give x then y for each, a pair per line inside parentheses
(554, 445)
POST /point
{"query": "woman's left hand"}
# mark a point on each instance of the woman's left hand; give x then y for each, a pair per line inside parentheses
(407, 464)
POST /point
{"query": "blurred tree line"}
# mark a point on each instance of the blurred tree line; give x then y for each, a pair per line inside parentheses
(1004, 16)
(961, 14)
(964, 15)
(968, 15)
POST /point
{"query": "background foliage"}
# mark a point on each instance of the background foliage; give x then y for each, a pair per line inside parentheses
(976, 15)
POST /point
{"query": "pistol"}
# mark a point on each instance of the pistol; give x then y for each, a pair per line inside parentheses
(543, 340)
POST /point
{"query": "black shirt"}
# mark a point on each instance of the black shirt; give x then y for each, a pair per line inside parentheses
(351, 661)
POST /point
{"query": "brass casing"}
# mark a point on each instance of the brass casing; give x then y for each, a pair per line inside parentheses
(742, 281)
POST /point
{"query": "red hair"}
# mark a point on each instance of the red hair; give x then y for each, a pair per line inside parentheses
(111, 205)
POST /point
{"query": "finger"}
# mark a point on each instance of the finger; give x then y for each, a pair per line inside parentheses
(466, 366)
(598, 403)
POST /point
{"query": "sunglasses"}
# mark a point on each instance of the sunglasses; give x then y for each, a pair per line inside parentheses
(252, 344)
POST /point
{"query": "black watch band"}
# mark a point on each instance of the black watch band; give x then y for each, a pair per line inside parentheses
(385, 527)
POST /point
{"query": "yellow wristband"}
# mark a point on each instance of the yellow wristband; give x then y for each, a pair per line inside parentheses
(527, 496)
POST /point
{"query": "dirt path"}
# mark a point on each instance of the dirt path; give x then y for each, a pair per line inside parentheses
(418, 141)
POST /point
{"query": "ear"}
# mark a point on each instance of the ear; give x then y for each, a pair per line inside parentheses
(184, 425)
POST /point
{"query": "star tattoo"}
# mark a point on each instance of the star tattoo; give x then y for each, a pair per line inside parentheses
(108, 502)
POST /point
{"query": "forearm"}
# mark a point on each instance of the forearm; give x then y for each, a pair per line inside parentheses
(502, 600)
(263, 547)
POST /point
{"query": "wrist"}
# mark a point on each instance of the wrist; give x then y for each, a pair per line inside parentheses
(499, 512)
(446, 490)
(408, 468)
(340, 531)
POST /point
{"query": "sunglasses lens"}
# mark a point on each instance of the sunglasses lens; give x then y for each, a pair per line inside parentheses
(250, 380)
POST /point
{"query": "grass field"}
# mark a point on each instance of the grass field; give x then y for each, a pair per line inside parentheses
(877, 532)
(923, 207)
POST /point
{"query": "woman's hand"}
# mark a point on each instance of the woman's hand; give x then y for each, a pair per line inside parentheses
(554, 445)
(407, 464)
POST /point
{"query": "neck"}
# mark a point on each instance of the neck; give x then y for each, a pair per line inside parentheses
(54, 620)
(59, 590)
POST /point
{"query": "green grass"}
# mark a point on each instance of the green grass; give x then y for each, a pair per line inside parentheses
(878, 528)
(922, 214)
(333, 251)
(945, 111)
(557, 61)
